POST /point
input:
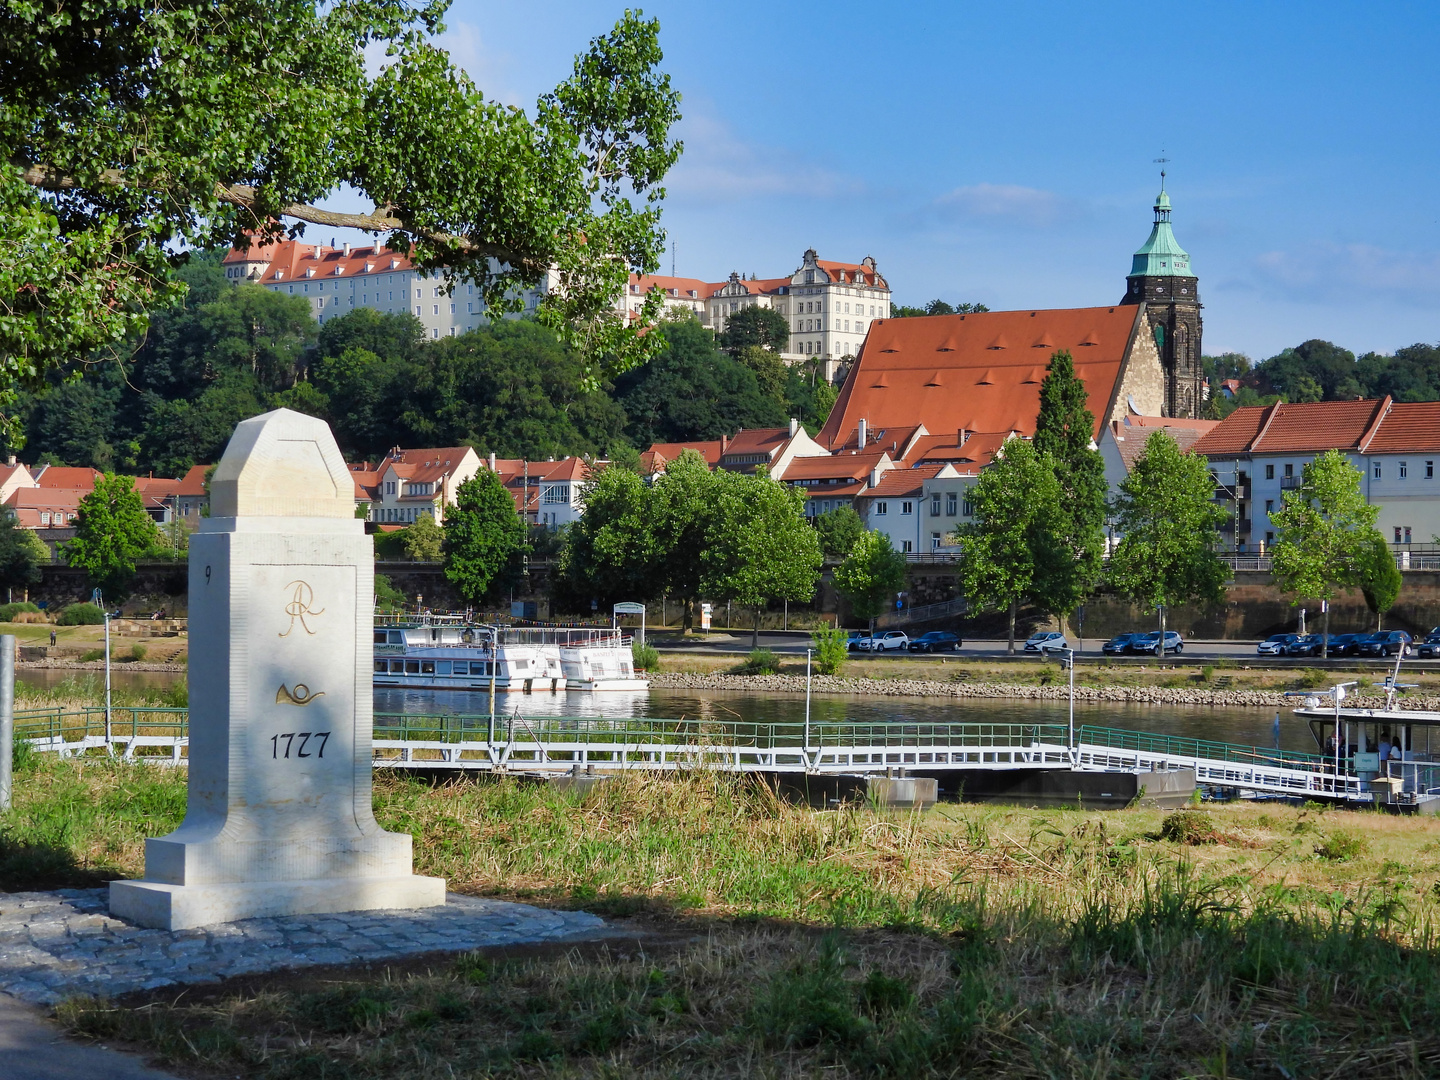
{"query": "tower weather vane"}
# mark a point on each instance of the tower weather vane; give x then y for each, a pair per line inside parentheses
(1161, 161)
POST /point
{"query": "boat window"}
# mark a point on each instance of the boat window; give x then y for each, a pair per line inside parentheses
(412, 667)
(427, 667)
(442, 667)
(624, 668)
(397, 637)
(596, 670)
(380, 665)
(380, 637)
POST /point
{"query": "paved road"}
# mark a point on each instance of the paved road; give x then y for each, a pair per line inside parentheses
(795, 643)
(33, 1048)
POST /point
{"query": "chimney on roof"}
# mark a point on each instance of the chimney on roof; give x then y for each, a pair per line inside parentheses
(963, 436)
(875, 476)
(794, 426)
(346, 249)
(724, 443)
(10, 461)
(492, 461)
(860, 434)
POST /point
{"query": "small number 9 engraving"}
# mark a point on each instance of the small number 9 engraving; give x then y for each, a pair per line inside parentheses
(207, 575)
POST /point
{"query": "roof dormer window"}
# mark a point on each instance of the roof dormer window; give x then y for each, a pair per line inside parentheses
(309, 271)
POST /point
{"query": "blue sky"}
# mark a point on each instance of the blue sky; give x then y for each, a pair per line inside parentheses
(1002, 152)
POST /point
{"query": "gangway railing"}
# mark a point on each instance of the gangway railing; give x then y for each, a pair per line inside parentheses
(551, 745)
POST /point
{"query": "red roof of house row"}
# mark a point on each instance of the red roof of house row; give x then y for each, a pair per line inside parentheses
(1407, 426)
(851, 272)
(67, 476)
(1132, 434)
(754, 286)
(894, 439)
(29, 503)
(681, 287)
(192, 484)
(969, 456)
(848, 466)
(980, 372)
(426, 465)
(898, 482)
(1304, 427)
(289, 260)
(710, 450)
(756, 441)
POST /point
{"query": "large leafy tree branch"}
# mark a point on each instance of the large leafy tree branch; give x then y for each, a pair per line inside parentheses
(137, 128)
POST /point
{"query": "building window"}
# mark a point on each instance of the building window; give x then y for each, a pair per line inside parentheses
(950, 500)
(934, 541)
(1407, 534)
(935, 505)
(1404, 469)
(882, 508)
(436, 309)
(1289, 470)
(1429, 470)
(1269, 472)
(1397, 534)
(906, 547)
(967, 509)
(907, 507)
(1377, 470)
(1269, 506)
(1269, 538)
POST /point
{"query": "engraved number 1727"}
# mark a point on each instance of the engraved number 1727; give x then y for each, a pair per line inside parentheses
(299, 741)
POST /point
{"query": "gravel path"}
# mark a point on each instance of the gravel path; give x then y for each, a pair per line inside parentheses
(57, 944)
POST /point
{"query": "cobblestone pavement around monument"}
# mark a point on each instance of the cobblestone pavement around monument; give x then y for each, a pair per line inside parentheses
(54, 945)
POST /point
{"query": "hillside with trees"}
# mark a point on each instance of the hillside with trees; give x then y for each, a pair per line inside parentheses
(513, 388)
(1319, 370)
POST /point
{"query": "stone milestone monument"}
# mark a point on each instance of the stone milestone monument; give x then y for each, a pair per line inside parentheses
(279, 820)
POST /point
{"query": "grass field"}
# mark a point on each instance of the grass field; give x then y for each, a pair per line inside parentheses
(774, 940)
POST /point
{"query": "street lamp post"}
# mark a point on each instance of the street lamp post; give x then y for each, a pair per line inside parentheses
(99, 600)
(806, 748)
(1074, 748)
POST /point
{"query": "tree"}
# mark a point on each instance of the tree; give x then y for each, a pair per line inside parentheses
(872, 573)
(756, 327)
(112, 533)
(1379, 578)
(838, 529)
(1065, 431)
(770, 372)
(483, 535)
(134, 131)
(1324, 531)
(1169, 524)
(423, 540)
(681, 502)
(935, 307)
(610, 553)
(22, 554)
(760, 546)
(1016, 540)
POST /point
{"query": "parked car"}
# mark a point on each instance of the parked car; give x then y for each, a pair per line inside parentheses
(858, 641)
(1430, 647)
(1385, 643)
(1275, 644)
(1145, 643)
(1344, 644)
(1308, 645)
(936, 641)
(890, 639)
(1119, 644)
(1047, 642)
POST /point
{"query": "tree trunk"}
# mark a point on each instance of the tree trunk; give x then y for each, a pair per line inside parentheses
(1325, 634)
(1014, 609)
(1160, 645)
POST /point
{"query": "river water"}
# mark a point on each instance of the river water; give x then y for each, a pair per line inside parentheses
(1250, 727)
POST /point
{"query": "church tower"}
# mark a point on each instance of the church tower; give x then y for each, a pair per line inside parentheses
(1161, 278)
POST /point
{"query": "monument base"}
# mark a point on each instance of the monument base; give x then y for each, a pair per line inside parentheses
(180, 907)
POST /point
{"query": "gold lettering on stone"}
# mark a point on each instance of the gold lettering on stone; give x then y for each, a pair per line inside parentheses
(301, 695)
(300, 607)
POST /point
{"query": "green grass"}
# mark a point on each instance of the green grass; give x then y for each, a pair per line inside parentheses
(972, 940)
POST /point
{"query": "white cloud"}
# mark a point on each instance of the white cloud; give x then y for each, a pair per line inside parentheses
(1349, 272)
(719, 165)
(1004, 203)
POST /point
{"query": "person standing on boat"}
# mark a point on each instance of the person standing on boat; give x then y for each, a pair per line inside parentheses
(1386, 746)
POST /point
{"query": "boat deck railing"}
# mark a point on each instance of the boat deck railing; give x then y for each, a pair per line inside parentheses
(548, 745)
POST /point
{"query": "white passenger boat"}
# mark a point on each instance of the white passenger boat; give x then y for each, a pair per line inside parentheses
(447, 652)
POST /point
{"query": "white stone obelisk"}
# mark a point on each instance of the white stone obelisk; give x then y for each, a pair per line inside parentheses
(279, 820)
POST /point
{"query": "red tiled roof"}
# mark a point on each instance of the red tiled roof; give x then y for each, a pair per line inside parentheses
(757, 441)
(669, 451)
(427, 465)
(1131, 439)
(68, 476)
(981, 372)
(971, 456)
(893, 439)
(29, 503)
(683, 288)
(905, 481)
(1409, 425)
(292, 260)
(851, 466)
(1300, 428)
(852, 271)
(192, 484)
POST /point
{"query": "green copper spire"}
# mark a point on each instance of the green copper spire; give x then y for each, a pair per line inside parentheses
(1161, 255)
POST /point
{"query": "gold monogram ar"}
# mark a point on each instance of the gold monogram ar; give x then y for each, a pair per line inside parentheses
(301, 695)
(299, 607)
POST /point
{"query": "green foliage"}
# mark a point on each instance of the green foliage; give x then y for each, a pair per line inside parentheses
(838, 529)
(645, 657)
(831, 649)
(756, 328)
(1377, 575)
(138, 651)
(771, 374)
(107, 174)
(112, 532)
(483, 536)
(1017, 538)
(422, 539)
(610, 553)
(1169, 527)
(1324, 530)
(9, 611)
(1342, 846)
(761, 662)
(22, 554)
(85, 614)
(872, 573)
(1190, 827)
(759, 546)
(387, 597)
(1065, 430)
(935, 307)
(681, 502)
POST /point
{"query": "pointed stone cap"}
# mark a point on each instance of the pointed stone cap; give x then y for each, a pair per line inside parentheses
(282, 464)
